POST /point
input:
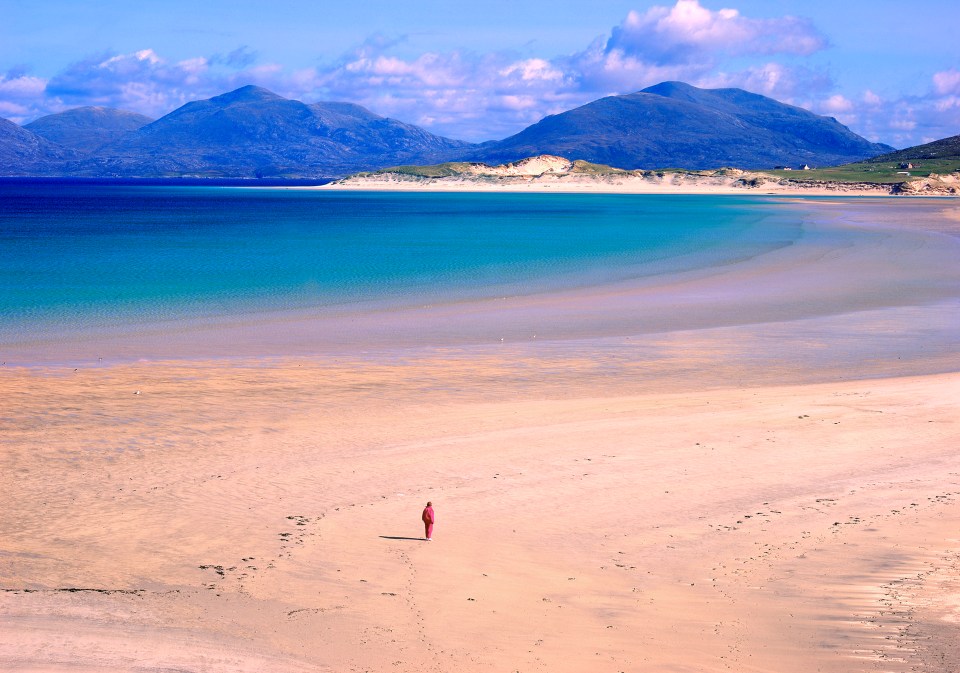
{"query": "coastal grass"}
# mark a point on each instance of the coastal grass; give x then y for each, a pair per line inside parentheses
(444, 170)
(889, 172)
(587, 168)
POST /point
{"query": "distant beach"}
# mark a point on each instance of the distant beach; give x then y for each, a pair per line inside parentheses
(726, 445)
(553, 174)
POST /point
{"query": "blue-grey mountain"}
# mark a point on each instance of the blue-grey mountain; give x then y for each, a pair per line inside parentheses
(675, 125)
(87, 129)
(252, 132)
(23, 152)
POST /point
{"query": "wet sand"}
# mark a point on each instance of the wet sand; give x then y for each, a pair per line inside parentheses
(748, 485)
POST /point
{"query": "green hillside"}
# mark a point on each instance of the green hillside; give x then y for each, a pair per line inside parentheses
(946, 149)
(940, 157)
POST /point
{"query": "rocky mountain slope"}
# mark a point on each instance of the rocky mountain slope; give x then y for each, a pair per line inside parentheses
(25, 153)
(87, 129)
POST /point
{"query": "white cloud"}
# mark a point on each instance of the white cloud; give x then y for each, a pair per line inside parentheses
(600, 71)
(902, 121)
(533, 69)
(948, 103)
(13, 111)
(146, 82)
(22, 97)
(788, 84)
(23, 86)
(125, 61)
(688, 42)
(947, 82)
(686, 30)
(903, 124)
(512, 102)
(836, 104)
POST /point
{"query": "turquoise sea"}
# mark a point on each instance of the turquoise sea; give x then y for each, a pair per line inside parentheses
(82, 256)
(93, 273)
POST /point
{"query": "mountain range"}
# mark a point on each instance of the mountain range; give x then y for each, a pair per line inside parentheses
(252, 132)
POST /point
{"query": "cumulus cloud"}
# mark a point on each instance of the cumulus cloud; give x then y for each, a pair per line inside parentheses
(938, 114)
(457, 93)
(146, 82)
(689, 42)
(141, 80)
(947, 83)
(902, 121)
(837, 104)
(533, 69)
(22, 96)
(687, 31)
(788, 84)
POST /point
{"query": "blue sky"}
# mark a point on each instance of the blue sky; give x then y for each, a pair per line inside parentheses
(476, 71)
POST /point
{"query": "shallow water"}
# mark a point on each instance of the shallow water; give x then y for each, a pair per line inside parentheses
(131, 272)
(93, 255)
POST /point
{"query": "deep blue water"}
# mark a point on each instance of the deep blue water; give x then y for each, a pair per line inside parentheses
(83, 256)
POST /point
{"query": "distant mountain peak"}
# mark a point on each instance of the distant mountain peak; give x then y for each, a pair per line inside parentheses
(248, 93)
(669, 88)
(676, 125)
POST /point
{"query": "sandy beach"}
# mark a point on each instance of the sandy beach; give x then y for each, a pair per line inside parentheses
(752, 469)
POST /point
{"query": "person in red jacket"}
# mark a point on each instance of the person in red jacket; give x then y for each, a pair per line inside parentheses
(428, 521)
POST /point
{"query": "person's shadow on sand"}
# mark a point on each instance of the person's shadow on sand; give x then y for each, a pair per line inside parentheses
(396, 537)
